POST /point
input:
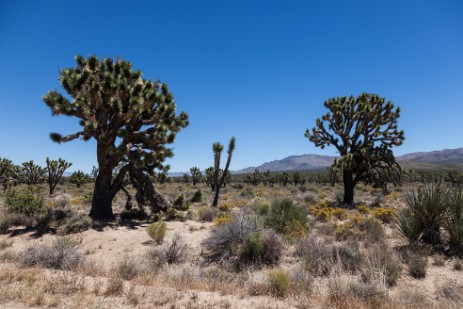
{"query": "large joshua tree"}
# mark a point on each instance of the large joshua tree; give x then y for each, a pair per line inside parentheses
(132, 120)
(363, 130)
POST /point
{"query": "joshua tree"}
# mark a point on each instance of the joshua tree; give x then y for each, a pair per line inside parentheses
(78, 178)
(31, 173)
(218, 182)
(284, 179)
(195, 175)
(363, 130)
(132, 120)
(9, 173)
(55, 171)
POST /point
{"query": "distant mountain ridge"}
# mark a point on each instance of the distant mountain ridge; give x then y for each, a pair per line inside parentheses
(427, 160)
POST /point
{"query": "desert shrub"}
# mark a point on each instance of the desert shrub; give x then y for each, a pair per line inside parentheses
(348, 231)
(207, 214)
(224, 239)
(74, 223)
(247, 192)
(223, 219)
(115, 287)
(175, 251)
(6, 223)
(181, 204)
(157, 231)
(382, 260)
(316, 256)
(171, 214)
(127, 268)
(409, 225)
(363, 209)
(453, 222)
(343, 290)
(452, 291)
(429, 206)
(385, 214)
(23, 202)
(197, 196)
(61, 254)
(373, 229)
(283, 213)
(279, 282)
(417, 265)
(5, 244)
(155, 259)
(264, 247)
(349, 255)
(43, 218)
(250, 250)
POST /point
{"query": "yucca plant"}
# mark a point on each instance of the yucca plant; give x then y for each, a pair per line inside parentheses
(409, 225)
(429, 206)
(453, 222)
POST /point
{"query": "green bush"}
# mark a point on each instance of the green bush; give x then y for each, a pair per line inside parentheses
(251, 249)
(278, 282)
(453, 222)
(284, 212)
(418, 265)
(5, 223)
(74, 223)
(197, 196)
(157, 231)
(23, 202)
(181, 204)
(409, 225)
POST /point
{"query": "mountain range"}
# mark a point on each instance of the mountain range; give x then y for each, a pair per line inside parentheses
(447, 158)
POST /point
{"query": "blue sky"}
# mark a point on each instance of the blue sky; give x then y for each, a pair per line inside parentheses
(256, 70)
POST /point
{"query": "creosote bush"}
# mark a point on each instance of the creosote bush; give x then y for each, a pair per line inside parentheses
(262, 247)
(23, 202)
(285, 217)
(61, 254)
(157, 231)
(279, 282)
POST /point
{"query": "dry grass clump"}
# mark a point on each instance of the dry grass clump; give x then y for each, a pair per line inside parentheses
(316, 256)
(128, 268)
(382, 260)
(61, 254)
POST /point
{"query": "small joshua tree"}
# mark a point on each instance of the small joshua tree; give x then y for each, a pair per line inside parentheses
(10, 174)
(32, 173)
(55, 170)
(195, 175)
(78, 178)
(218, 182)
(132, 120)
(363, 130)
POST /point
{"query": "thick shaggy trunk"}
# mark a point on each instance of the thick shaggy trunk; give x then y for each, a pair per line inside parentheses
(102, 197)
(216, 197)
(349, 185)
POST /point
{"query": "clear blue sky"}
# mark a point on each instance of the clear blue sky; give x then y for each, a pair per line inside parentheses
(256, 70)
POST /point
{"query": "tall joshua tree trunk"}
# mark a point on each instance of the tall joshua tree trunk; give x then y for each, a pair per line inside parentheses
(349, 186)
(102, 196)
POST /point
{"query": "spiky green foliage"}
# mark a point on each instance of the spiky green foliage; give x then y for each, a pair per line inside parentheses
(10, 174)
(453, 221)
(31, 173)
(195, 175)
(132, 120)
(429, 205)
(284, 179)
(363, 130)
(79, 178)
(55, 170)
(409, 225)
(219, 180)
